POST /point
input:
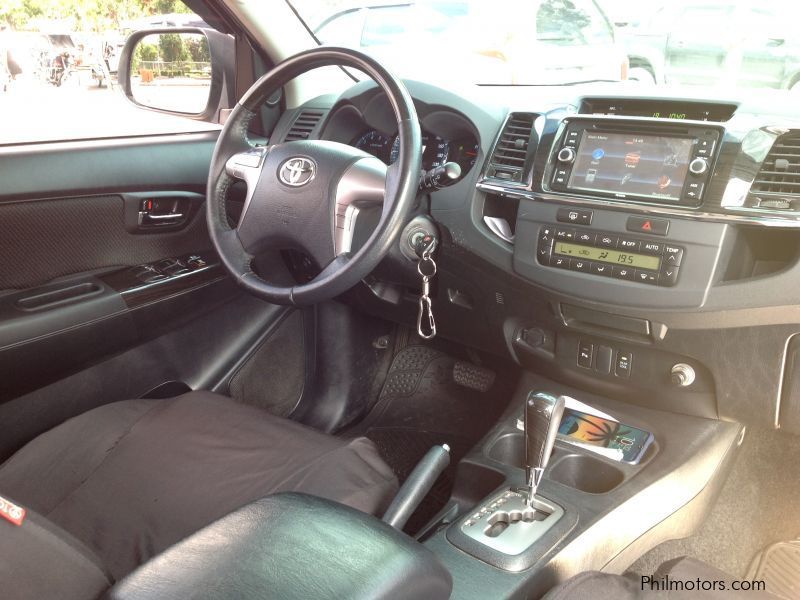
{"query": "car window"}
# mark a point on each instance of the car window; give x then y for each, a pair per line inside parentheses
(59, 64)
(572, 23)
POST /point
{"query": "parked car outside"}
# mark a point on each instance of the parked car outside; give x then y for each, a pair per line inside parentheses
(474, 41)
(748, 44)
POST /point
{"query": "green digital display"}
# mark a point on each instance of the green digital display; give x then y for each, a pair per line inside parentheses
(609, 255)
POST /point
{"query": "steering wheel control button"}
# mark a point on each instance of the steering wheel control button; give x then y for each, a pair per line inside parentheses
(585, 354)
(648, 225)
(579, 216)
(297, 171)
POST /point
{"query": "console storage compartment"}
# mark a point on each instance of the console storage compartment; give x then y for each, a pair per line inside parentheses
(291, 546)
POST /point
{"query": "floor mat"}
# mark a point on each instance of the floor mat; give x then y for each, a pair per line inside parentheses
(779, 567)
(757, 507)
(419, 406)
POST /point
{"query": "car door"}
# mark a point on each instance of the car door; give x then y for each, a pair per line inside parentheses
(109, 287)
(697, 52)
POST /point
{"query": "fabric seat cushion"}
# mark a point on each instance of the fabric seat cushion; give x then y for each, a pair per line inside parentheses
(132, 478)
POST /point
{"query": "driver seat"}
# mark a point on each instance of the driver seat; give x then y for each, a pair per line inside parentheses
(128, 480)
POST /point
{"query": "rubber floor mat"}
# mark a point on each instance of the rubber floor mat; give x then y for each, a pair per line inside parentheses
(779, 567)
(420, 405)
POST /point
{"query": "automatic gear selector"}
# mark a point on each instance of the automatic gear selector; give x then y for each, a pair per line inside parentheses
(513, 520)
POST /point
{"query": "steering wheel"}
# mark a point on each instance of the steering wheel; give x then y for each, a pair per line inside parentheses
(307, 194)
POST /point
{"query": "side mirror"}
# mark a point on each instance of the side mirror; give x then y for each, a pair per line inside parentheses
(185, 71)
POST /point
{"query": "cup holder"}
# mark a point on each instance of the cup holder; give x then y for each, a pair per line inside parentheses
(509, 449)
(586, 473)
(580, 471)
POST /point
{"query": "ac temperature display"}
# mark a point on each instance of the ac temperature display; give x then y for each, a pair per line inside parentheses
(608, 255)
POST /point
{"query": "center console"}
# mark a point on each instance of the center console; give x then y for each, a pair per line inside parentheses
(590, 512)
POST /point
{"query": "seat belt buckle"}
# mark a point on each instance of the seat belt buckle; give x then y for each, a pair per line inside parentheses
(11, 512)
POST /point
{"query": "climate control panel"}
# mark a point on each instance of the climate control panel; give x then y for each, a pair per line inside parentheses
(604, 254)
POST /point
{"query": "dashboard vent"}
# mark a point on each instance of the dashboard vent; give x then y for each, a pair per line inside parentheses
(780, 172)
(511, 151)
(303, 125)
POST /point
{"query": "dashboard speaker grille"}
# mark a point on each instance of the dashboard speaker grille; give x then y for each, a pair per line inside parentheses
(510, 154)
(303, 125)
(780, 172)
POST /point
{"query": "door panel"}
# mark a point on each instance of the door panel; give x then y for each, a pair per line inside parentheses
(76, 228)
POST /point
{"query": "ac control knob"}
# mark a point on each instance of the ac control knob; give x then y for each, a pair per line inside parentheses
(698, 166)
(566, 155)
(682, 375)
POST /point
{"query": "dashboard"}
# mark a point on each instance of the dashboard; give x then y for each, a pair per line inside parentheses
(654, 233)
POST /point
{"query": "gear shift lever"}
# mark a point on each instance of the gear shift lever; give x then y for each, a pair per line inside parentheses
(543, 412)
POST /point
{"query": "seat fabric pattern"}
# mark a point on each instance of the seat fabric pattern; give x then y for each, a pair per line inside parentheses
(130, 479)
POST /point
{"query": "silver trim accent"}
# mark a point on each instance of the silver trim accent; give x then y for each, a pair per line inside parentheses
(247, 167)
(511, 506)
(748, 216)
(777, 421)
(362, 184)
(297, 171)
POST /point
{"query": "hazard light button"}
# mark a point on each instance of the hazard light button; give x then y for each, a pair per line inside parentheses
(648, 225)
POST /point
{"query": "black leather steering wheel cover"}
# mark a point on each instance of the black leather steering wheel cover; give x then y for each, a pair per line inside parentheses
(401, 181)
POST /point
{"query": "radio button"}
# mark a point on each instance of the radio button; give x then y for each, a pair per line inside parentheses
(625, 273)
(574, 215)
(627, 244)
(560, 177)
(561, 262)
(651, 247)
(584, 237)
(572, 138)
(566, 154)
(605, 240)
(599, 268)
(649, 277)
(673, 255)
(565, 234)
(669, 276)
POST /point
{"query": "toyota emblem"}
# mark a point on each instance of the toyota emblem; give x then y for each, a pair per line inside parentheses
(297, 171)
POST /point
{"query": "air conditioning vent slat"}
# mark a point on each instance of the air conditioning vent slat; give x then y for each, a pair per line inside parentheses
(780, 171)
(304, 125)
(510, 154)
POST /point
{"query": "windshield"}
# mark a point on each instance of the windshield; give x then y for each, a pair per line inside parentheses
(682, 43)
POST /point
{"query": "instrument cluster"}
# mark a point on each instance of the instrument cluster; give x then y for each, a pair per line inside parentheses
(436, 150)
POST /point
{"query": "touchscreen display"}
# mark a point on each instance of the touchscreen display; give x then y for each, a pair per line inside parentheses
(632, 165)
(617, 257)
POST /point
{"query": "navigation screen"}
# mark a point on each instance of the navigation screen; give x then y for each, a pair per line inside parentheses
(631, 165)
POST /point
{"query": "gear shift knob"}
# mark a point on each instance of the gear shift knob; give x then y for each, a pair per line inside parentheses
(543, 412)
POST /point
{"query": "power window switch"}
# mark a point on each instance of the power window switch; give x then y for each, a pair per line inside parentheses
(585, 354)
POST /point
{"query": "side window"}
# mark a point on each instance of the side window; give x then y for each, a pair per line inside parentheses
(59, 65)
(572, 23)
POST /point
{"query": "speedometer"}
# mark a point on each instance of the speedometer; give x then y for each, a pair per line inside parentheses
(375, 143)
(434, 151)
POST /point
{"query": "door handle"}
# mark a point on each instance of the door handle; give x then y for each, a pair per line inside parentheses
(166, 217)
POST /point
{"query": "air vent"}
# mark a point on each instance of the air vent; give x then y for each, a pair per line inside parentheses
(780, 172)
(303, 125)
(511, 151)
